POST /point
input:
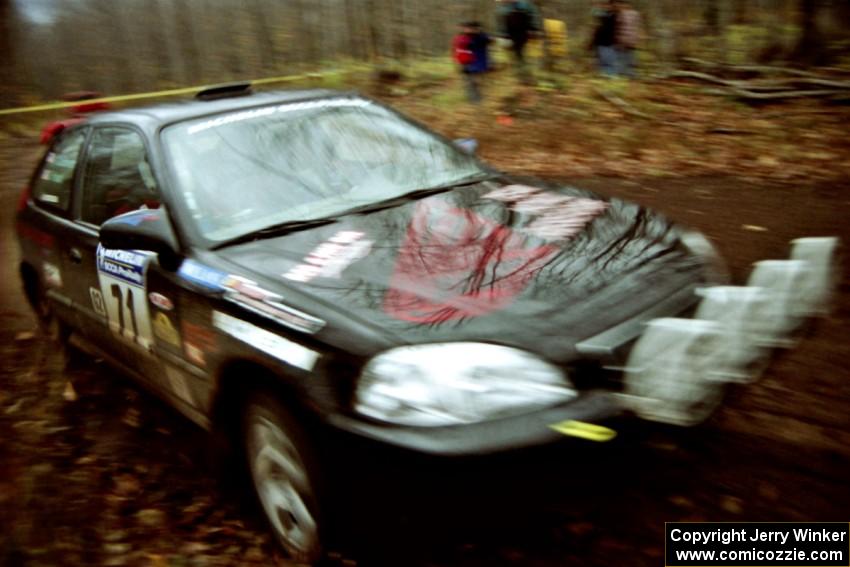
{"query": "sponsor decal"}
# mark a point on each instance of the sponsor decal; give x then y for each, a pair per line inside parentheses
(97, 302)
(556, 217)
(251, 296)
(281, 313)
(195, 354)
(270, 343)
(160, 301)
(456, 264)
(248, 288)
(201, 275)
(164, 330)
(122, 274)
(126, 265)
(329, 259)
(179, 384)
(197, 341)
(52, 274)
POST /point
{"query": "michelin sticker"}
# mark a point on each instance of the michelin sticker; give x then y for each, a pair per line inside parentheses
(274, 345)
(121, 274)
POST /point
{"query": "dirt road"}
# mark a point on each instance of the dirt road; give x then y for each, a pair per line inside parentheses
(100, 473)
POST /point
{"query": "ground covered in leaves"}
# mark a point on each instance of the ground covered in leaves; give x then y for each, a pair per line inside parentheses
(579, 125)
(95, 471)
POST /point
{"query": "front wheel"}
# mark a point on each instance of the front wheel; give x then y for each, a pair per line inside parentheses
(283, 473)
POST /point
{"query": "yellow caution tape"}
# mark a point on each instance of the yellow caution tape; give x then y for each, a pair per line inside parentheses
(157, 94)
(588, 431)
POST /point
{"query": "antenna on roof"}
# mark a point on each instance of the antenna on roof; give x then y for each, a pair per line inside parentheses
(224, 91)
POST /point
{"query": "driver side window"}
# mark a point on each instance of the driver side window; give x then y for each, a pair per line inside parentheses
(117, 177)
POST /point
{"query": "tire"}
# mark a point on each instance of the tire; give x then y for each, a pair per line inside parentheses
(284, 476)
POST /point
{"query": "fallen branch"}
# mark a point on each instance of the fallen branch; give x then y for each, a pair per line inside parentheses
(751, 68)
(770, 85)
(624, 106)
(750, 95)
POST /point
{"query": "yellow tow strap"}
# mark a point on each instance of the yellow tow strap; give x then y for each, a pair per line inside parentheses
(588, 431)
(157, 94)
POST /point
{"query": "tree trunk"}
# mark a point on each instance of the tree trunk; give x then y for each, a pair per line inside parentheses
(711, 16)
(808, 46)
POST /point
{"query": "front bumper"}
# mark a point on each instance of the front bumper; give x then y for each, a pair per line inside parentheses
(490, 436)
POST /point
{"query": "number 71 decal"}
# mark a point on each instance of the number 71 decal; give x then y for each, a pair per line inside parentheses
(121, 274)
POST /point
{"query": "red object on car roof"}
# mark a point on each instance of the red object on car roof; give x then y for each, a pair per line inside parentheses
(78, 112)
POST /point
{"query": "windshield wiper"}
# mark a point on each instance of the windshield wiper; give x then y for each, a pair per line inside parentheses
(290, 226)
(275, 230)
(417, 194)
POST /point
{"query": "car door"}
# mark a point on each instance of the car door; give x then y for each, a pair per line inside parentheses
(109, 294)
(46, 228)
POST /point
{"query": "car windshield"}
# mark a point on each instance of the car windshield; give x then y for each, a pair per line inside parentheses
(249, 170)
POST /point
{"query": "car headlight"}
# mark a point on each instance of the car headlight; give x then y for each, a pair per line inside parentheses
(699, 245)
(456, 383)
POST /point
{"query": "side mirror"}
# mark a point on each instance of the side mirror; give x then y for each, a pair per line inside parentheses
(466, 145)
(145, 229)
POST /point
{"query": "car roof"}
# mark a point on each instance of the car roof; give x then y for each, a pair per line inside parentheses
(152, 117)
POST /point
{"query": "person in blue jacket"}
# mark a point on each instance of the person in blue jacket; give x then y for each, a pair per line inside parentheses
(480, 47)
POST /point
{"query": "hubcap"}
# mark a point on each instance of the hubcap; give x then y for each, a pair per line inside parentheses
(283, 486)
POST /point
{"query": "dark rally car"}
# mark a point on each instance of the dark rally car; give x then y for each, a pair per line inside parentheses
(278, 259)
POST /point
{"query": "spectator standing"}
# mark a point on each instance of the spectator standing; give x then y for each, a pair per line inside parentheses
(605, 37)
(518, 21)
(629, 32)
(480, 48)
(464, 56)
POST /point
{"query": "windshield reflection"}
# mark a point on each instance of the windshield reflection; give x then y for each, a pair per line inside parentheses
(245, 171)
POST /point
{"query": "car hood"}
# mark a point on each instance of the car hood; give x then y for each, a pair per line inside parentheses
(537, 267)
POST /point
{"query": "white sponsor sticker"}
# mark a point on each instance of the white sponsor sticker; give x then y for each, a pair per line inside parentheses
(557, 217)
(122, 275)
(270, 343)
(329, 259)
(52, 275)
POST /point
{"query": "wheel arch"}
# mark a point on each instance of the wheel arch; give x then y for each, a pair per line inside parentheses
(235, 380)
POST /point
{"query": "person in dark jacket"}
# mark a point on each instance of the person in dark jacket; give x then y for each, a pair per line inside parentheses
(605, 37)
(518, 21)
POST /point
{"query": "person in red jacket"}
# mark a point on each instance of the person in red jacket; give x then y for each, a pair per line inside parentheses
(464, 56)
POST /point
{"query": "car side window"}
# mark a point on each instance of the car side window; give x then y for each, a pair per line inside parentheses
(52, 188)
(117, 177)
